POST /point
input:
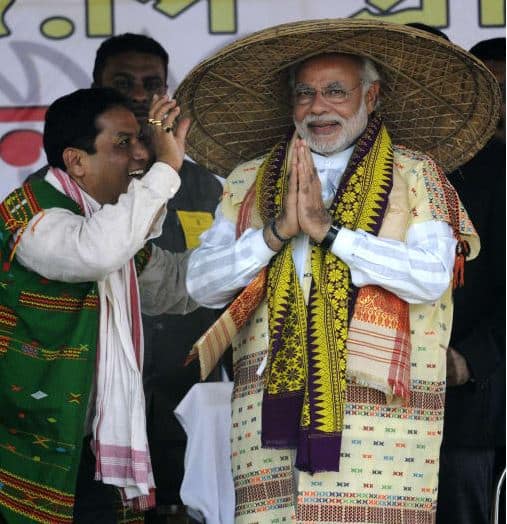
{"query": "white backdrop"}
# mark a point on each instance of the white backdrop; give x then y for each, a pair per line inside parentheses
(47, 48)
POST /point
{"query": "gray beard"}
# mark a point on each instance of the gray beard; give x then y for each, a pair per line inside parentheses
(351, 129)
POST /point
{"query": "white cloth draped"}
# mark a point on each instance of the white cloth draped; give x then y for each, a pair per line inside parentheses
(207, 488)
(119, 425)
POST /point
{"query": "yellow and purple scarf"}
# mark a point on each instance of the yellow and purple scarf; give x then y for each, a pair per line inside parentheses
(304, 392)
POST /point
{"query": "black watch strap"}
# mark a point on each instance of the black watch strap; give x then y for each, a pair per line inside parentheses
(332, 233)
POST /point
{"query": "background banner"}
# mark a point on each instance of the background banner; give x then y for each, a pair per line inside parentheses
(47, 48)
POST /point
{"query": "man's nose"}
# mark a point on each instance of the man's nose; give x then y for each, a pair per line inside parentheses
(138, 93)
(140, 152)
(319, 104)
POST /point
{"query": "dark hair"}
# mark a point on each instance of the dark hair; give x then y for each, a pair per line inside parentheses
(122, 44)
(428, 29)
(71, 121)
(492, 49)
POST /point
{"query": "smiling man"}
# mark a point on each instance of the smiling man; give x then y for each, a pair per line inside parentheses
(329, 132)
(137, 66)
(77, 269)
(336, 249)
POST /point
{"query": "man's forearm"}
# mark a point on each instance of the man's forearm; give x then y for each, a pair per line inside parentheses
(162, 284)
(418, 270)
(61, 245)
(221, 266)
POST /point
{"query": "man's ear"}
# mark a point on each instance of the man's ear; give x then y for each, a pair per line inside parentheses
(75, 161)
(371, 96)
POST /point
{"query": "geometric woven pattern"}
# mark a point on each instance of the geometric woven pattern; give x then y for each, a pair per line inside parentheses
(435, 97)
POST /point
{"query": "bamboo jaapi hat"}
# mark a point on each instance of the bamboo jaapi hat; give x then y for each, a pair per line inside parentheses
(435, 97)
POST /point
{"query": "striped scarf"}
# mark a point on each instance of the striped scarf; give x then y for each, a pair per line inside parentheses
(119, 425)
(305, 379)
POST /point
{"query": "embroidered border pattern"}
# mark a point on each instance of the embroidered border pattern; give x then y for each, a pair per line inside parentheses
(35, 501)
(19, 207)
(8, 318)
(63, 304)
(264, 490)
(33, 350)
(343, 507)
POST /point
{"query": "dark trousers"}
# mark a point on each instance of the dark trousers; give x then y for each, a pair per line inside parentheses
(465, 485)
(94, 501)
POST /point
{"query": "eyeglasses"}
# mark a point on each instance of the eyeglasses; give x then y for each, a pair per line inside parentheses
(334, 93)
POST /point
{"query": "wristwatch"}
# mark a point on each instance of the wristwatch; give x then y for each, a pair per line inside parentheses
(331, 234)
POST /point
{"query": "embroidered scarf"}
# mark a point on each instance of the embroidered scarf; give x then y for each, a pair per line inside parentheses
(119, 425)
(304, 390)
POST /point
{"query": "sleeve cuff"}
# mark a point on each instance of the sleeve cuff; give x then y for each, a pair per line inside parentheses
(163, 179)
(262, 252)
(343, 245)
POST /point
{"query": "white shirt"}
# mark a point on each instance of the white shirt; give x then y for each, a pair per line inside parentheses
(63, 246)
(417, 270)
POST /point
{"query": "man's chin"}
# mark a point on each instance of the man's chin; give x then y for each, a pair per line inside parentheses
(141, 117)
(326, 146)
(140, 112)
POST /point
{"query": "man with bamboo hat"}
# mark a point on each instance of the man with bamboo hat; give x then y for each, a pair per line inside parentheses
(345, 246)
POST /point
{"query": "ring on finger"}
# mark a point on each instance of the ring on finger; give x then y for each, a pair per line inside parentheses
(168, 128)
(154, 122)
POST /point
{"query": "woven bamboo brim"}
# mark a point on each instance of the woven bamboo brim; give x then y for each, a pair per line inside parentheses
(435, 97)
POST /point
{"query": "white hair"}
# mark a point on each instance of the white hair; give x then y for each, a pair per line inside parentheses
(369, 75)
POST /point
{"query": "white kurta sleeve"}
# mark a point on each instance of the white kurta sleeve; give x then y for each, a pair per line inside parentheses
(221, 266)
(418, 270)
(63, 246)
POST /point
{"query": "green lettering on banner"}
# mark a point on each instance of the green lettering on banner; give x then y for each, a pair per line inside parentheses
(492, 13)
(383, 5)
(434, 13)
(99, 18)
(57, 28)
(4, 6)
(222, 16)
(172, 8)
(221, 13)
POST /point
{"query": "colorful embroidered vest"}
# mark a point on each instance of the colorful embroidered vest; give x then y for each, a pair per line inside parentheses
(48, 334)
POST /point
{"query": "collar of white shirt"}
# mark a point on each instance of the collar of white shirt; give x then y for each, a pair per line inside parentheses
(330, 170)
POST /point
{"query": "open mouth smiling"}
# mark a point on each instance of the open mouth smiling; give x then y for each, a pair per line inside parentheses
(324, 128)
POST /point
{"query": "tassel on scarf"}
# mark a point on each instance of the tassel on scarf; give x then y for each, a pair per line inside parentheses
(462, 252)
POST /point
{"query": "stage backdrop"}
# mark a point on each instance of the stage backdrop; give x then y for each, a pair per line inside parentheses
(47, 48)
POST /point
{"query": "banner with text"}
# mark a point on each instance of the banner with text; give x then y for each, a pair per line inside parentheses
(48, 48)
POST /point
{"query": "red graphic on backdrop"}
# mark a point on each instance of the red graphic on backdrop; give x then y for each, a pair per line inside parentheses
(21, 147)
